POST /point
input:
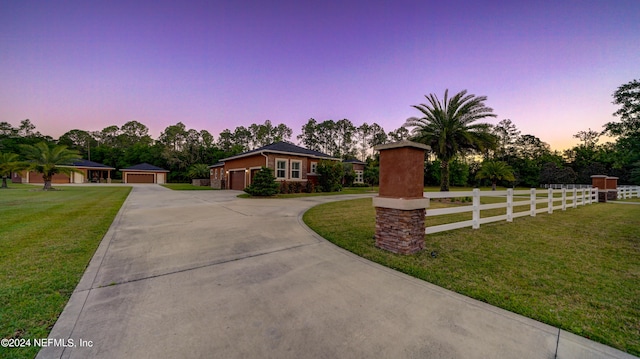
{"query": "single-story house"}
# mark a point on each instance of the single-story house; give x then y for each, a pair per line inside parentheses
(289, 163)
(144, 173)
(89, 171)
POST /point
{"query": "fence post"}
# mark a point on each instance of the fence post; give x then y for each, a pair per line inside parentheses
(575, 198)
(550, 201)
(476, 208)
(564, 199)
(583, 197)
(510, 205)
(532, 202)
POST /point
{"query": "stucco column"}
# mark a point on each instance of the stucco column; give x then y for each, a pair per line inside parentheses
(612, 188)
(400, 204)
(600, 182)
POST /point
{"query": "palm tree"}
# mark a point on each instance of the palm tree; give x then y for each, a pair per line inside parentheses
(49, 160)
(198, 170)
(495, 171)
(449, 128)
(9, 163)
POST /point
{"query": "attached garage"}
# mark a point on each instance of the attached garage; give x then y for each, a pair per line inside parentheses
(237, 179)
(144, 173)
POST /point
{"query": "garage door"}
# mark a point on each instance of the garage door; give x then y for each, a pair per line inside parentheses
(60, 178)
(139, 178)
(237, 180)
(35, 177)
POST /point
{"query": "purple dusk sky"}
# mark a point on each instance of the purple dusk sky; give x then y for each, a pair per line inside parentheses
(549, 66)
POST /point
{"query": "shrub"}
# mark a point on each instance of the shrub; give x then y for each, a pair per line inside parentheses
(264, 183)
(349, 175)
(310, 187)
(295, 187)
(284, 187)
(330, 175)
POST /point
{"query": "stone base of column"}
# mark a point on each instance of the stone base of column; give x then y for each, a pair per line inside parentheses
(602, 196)
(400, 231)
(612, 194)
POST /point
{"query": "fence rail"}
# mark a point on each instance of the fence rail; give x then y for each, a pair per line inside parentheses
(625, 192)
(563, 185)
(577, 197)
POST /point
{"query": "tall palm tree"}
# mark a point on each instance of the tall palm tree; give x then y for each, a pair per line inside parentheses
(449, 128)
(48, 160)
(495, 171)
(9, 163)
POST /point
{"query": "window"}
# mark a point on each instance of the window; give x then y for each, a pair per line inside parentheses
(295, 169)
(359, 177)
(314, 167)
(281, 168)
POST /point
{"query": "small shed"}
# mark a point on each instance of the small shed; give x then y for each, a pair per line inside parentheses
(144, 173)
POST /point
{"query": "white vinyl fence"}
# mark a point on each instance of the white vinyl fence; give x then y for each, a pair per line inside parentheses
(575, 196)
(567, 186)
(625, 192)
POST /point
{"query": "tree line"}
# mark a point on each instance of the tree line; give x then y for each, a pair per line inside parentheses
(460, 144)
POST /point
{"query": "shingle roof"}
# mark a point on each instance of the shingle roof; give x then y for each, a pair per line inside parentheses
(144, 167)
(87, 163)
(353, 160)
(282, 147)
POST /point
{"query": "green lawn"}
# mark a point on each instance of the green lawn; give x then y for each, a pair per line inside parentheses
(574, 270)
(47, 241)
(629, 200)
(186, 187)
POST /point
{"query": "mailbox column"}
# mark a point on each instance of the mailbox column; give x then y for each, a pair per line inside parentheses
(400, 205)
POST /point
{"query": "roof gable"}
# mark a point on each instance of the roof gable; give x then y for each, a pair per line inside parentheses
(354, 161)
(87, 163)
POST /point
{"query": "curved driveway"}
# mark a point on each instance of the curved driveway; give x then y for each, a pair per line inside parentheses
(203, 274)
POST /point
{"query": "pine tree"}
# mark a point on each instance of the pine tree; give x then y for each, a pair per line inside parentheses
(263, 184)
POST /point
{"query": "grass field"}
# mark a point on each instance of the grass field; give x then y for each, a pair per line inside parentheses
(578, 270)
(629, 200)
(47, 241)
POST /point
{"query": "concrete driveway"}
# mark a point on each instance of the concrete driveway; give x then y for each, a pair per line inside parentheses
(184, 274)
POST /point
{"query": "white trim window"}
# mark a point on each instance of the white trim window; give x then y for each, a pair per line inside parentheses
(359, 177)
(314, 167)
(281, 168)
(296, 169)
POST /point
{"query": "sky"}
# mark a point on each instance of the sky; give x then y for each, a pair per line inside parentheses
(549, 66)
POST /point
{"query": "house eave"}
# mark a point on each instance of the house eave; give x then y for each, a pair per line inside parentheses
(88, 167)
(135, 170)
(278, 152)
